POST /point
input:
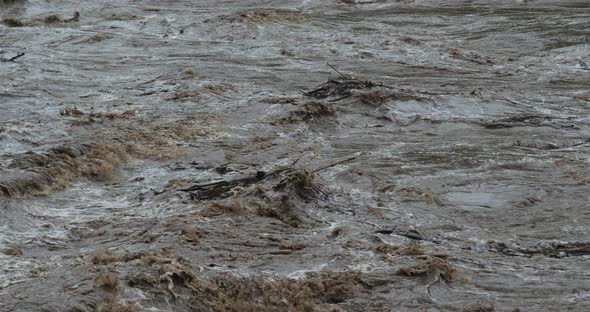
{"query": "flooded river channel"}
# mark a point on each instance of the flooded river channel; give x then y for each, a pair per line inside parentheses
(337, 155)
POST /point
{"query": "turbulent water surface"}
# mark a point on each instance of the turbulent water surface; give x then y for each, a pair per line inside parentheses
(336, 155)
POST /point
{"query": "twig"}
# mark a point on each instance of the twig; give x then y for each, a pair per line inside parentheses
(150, 81)
(341, 74)
(341, 98)
(278, 252)
(12, 59)
(259, 176)
(334, 164)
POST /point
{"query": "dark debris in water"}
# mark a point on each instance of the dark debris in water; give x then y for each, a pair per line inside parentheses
(411, 234)
(265, 16)
(228, 191)
(339, 89)
(280, 193)
(48, 20)
(221, 189)
(551, 249)
(471, 57)
(12, 59)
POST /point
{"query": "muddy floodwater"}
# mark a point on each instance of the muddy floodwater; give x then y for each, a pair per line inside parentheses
(314, 155)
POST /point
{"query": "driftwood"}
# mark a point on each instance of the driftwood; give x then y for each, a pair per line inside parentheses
(334, 164)
(12, 59)
(551, 250)
(221, 189)
(288, 176)
(343, 87)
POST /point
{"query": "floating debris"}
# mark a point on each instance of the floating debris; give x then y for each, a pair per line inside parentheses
(106, 280)
(12, 59)
(40, 21)
(551, 249)
(263, 16)
(471, 57)
(38, 173)
(73, 112)
(111, 306)
(431, 264)
(342, 88)
(310, 111)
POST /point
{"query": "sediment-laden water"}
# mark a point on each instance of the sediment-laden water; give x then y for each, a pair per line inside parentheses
(294, 155)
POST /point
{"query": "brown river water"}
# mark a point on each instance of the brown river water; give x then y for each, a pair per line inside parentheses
(337, 155)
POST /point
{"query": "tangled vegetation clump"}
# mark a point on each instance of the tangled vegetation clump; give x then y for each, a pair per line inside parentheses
(52, 19)
(413, 248)
(167, 276)
(112, 306)
(38, 173)
(431, 264)
(310, 111)
(380, 97)
(315, 292)
(299, 182)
